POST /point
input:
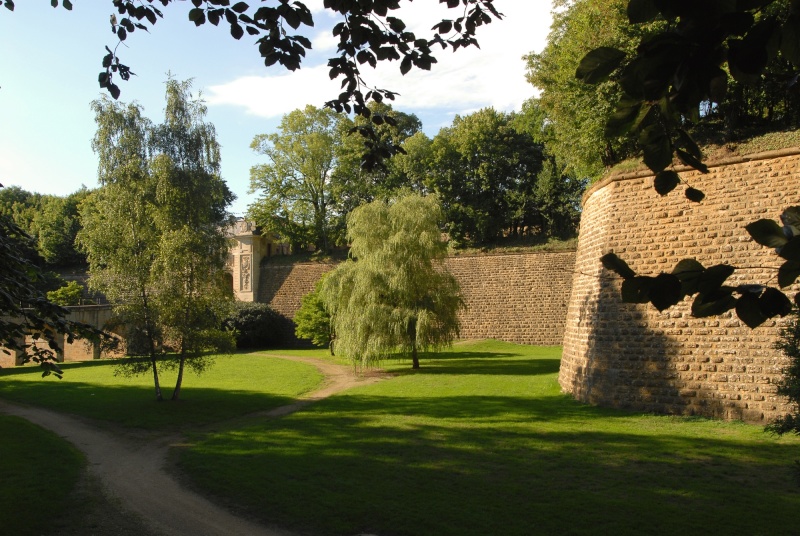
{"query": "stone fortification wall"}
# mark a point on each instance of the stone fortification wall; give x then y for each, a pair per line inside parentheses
(79, 349)
(632, 356)
(517, 298)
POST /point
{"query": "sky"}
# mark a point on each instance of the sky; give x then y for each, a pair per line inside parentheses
(50, 58)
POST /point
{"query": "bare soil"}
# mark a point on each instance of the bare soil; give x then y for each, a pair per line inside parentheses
(128, 487)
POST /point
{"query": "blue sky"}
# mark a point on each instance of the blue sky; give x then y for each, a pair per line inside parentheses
(50, 59)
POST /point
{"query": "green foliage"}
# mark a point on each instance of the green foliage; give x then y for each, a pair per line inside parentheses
(394, 295)
(53, 221)
(154, 234)
(24, 309)
(789, 387)
(69, 294)
(495, 177)
(312, 320)
(255, 325)
(295, 189)
(577, 113)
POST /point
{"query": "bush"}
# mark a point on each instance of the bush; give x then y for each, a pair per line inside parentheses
(256, 325)
(69, 294)
(312, 319)
(789, 387)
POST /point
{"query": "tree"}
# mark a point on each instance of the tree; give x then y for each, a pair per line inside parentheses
(576, 112)
(484, 172)
(295, 185)
(153, 232)
(393, 295)
(312, 320)
(24, 309)
(352, 182)
(69, 294)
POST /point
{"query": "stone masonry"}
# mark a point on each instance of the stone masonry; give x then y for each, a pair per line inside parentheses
(631, 356)
(518, 298)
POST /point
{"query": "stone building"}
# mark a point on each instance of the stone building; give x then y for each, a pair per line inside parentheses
(249, 246)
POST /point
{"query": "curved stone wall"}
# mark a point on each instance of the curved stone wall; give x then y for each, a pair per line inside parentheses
(632, 356)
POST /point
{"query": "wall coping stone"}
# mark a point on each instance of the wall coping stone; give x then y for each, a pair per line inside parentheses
(764, 155)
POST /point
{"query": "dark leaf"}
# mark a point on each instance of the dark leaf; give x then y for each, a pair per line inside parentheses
(613, 263)
(237, 31)
(712, 278)
(749, 312)
(637, 289)
(642, 11)
(694, 195)
(788, 273)
(621, 121)
(790, 39)
(713, 304)
(657, 147)
(690, 160)
(790, 218)
(195, 14)
(665, 291)
(767, 233)
(791, 251)
(598, 64)
(67, 5)
(773, 302)
(666, 181)
(240, 7)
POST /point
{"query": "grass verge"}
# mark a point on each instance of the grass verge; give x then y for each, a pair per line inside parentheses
(234, 386)
(38, 471)
(480, 441)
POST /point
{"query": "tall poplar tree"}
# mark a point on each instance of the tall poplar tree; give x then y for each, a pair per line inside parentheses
(394, 295)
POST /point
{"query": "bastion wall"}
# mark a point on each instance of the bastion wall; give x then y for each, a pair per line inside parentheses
(630, 355)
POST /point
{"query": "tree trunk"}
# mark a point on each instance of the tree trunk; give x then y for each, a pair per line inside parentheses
(159, 397)
(414, 358)
(177, 392)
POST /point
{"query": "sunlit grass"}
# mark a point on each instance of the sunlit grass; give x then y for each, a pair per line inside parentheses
(234, 386)
(481, 441)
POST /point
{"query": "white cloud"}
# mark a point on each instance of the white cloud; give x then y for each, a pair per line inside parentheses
(493, 75)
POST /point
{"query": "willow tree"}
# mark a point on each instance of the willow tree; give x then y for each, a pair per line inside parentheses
(394, 295)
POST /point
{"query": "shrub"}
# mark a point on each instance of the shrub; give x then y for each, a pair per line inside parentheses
(312, 319)
(255, 325)
(789, 386)
(69, 294)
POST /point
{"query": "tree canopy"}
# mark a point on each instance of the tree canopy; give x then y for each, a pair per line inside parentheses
(153, 232)
(393, 296)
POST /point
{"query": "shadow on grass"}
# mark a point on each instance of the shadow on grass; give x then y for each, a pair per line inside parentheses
(135, 406)
(487, 465)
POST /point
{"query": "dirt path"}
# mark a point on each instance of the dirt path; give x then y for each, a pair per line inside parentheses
(134, 472)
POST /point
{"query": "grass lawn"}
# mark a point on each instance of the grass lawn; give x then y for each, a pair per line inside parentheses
(481, 442)
(233, 386)
(38, 472)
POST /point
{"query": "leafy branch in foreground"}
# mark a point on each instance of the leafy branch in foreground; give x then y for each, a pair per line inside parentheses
(687, 64)
(25, 312)
(754, 303)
